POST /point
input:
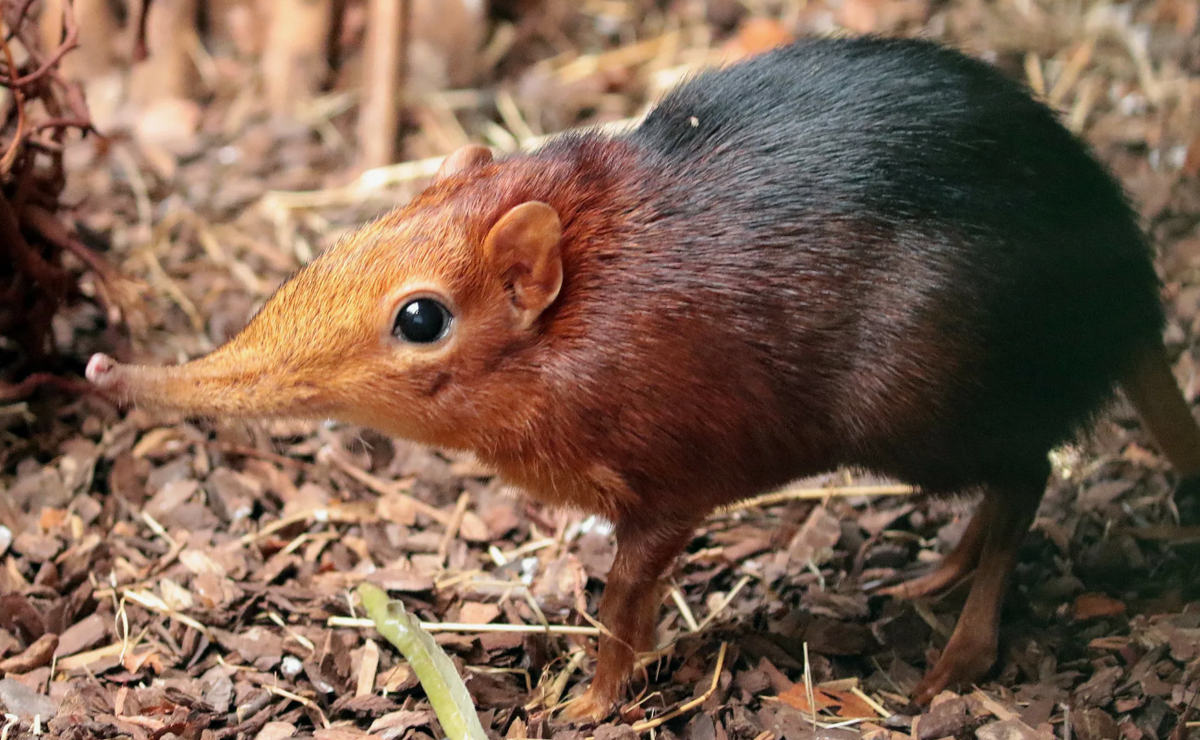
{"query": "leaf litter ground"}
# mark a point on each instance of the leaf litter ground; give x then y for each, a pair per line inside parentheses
(160, 577)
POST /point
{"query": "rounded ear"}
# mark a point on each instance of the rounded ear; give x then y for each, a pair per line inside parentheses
(523, 248)
(463, 158)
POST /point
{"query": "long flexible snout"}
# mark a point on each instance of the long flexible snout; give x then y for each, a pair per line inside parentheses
(225, 383)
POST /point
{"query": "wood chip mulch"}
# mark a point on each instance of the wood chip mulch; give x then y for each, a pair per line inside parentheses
(161, 577)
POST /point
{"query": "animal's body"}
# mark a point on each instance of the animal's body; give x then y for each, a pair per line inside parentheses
(844, 252)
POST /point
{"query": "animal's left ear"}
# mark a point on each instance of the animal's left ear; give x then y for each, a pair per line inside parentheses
(523, 248)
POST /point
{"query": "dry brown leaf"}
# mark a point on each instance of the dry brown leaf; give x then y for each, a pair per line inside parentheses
(52, 518)
(473, 528)
(816, 538)
(397, 508)
(148, 660)
(797, 697)
(474, 612)
(1091, 605)
(851, 706)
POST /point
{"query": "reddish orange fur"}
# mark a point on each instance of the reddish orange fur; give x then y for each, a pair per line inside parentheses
(307, 355)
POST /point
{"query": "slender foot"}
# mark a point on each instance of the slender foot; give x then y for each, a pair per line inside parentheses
(958, 564)
(1005, 516)
(590, 708)
(967, 658)
(941, 580)
(629, 606)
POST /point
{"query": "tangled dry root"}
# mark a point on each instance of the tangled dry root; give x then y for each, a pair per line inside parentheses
(38, 110)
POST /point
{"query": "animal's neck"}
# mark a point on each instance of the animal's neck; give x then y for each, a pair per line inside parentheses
(530, 411)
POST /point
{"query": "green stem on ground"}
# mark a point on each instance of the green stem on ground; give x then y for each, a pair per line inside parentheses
(445, 688)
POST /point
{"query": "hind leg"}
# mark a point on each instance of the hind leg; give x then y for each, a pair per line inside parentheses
(1005, 516)
(958, 564)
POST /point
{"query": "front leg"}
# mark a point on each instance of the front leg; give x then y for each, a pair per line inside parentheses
(646, 545)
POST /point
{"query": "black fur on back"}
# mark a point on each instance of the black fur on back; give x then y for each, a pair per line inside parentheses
(889, 240)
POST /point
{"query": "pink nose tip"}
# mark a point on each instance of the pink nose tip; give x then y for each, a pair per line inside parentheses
(99, 367)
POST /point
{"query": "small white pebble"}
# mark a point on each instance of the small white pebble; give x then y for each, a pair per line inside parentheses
(242, 512)
(609, 25)
(290, 666)
(1132, 104)
(694, 121)
(228, 155)
(528, 569)
(1177, 156)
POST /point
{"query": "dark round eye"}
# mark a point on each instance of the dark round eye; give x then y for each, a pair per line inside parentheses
(421, 321)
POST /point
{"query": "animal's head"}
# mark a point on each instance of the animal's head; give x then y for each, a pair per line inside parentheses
(393, 327)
